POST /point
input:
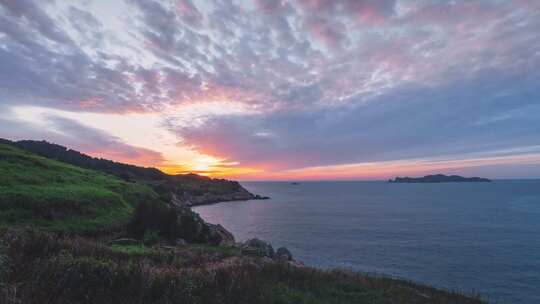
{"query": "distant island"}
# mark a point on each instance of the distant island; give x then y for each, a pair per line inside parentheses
(439, 178)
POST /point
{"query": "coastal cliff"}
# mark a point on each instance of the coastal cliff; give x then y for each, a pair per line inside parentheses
(69, 234)
(187, 189)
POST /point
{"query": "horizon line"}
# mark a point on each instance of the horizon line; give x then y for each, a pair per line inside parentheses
(366, 180)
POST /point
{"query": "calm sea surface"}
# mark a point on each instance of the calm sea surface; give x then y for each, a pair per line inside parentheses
(482, 237)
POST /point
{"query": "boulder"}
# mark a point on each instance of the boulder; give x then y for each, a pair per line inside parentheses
(258, 248)
(220, 236)
(181, 242)
(283, 254)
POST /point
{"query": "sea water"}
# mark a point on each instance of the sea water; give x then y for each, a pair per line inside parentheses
(471, 237)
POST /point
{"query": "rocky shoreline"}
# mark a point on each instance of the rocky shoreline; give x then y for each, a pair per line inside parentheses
(210, 199)
(223, 237)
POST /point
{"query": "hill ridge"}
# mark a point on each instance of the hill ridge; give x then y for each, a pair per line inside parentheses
(190, 189)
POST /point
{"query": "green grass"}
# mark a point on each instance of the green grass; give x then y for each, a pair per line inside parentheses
(223, 251)
(39, 192)
(132, 249)
(291, 285)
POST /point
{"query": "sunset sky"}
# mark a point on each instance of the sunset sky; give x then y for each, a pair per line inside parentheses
(279, 90)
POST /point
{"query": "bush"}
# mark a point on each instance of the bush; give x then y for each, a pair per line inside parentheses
(155, 216)
(170, 222)
(150, 238)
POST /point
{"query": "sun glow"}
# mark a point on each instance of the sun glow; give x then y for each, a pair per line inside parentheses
(204, 163)
(148, 131)
(144, 131)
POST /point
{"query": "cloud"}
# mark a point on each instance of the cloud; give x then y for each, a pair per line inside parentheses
(30, 13)
(43, 65)
(317, 82)
(332, 34)
(189, 12)
(412, 123)
(74, 135)
(364, 12)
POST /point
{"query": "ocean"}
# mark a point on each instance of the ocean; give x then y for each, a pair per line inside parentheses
(473, 237)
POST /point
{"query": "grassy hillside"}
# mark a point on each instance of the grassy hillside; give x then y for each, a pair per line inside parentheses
(55, 196)
(190, 189)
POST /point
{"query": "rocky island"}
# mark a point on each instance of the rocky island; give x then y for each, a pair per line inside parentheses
(438, 178)
(76, 229)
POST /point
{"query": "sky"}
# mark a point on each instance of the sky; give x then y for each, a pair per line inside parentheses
(277, 89)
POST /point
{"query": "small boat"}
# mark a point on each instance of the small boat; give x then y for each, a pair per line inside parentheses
(295, 183)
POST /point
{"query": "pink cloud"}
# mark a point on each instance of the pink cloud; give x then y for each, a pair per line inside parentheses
(189, 12)
(270, 6)
(365, 12)
(325, 20)
(126, 154)
(332, 34)
(370, 12)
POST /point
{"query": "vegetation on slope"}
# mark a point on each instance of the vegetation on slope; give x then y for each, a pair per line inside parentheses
(58, 197)
(191, 189)
(52, 269)
(55, 196)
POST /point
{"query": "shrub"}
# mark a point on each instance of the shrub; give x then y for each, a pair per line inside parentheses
(48, 268)
(150, 237)
(170, 222)
(154, 216)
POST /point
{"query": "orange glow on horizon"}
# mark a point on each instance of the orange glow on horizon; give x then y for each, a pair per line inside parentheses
(378, 170)
(216, 167)
(140, 139)
(209, 166)
(214, 172)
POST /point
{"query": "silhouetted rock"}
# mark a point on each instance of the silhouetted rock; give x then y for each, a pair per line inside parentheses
(283, 254)
(220, 236)
(258, 197)
(258, 248)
